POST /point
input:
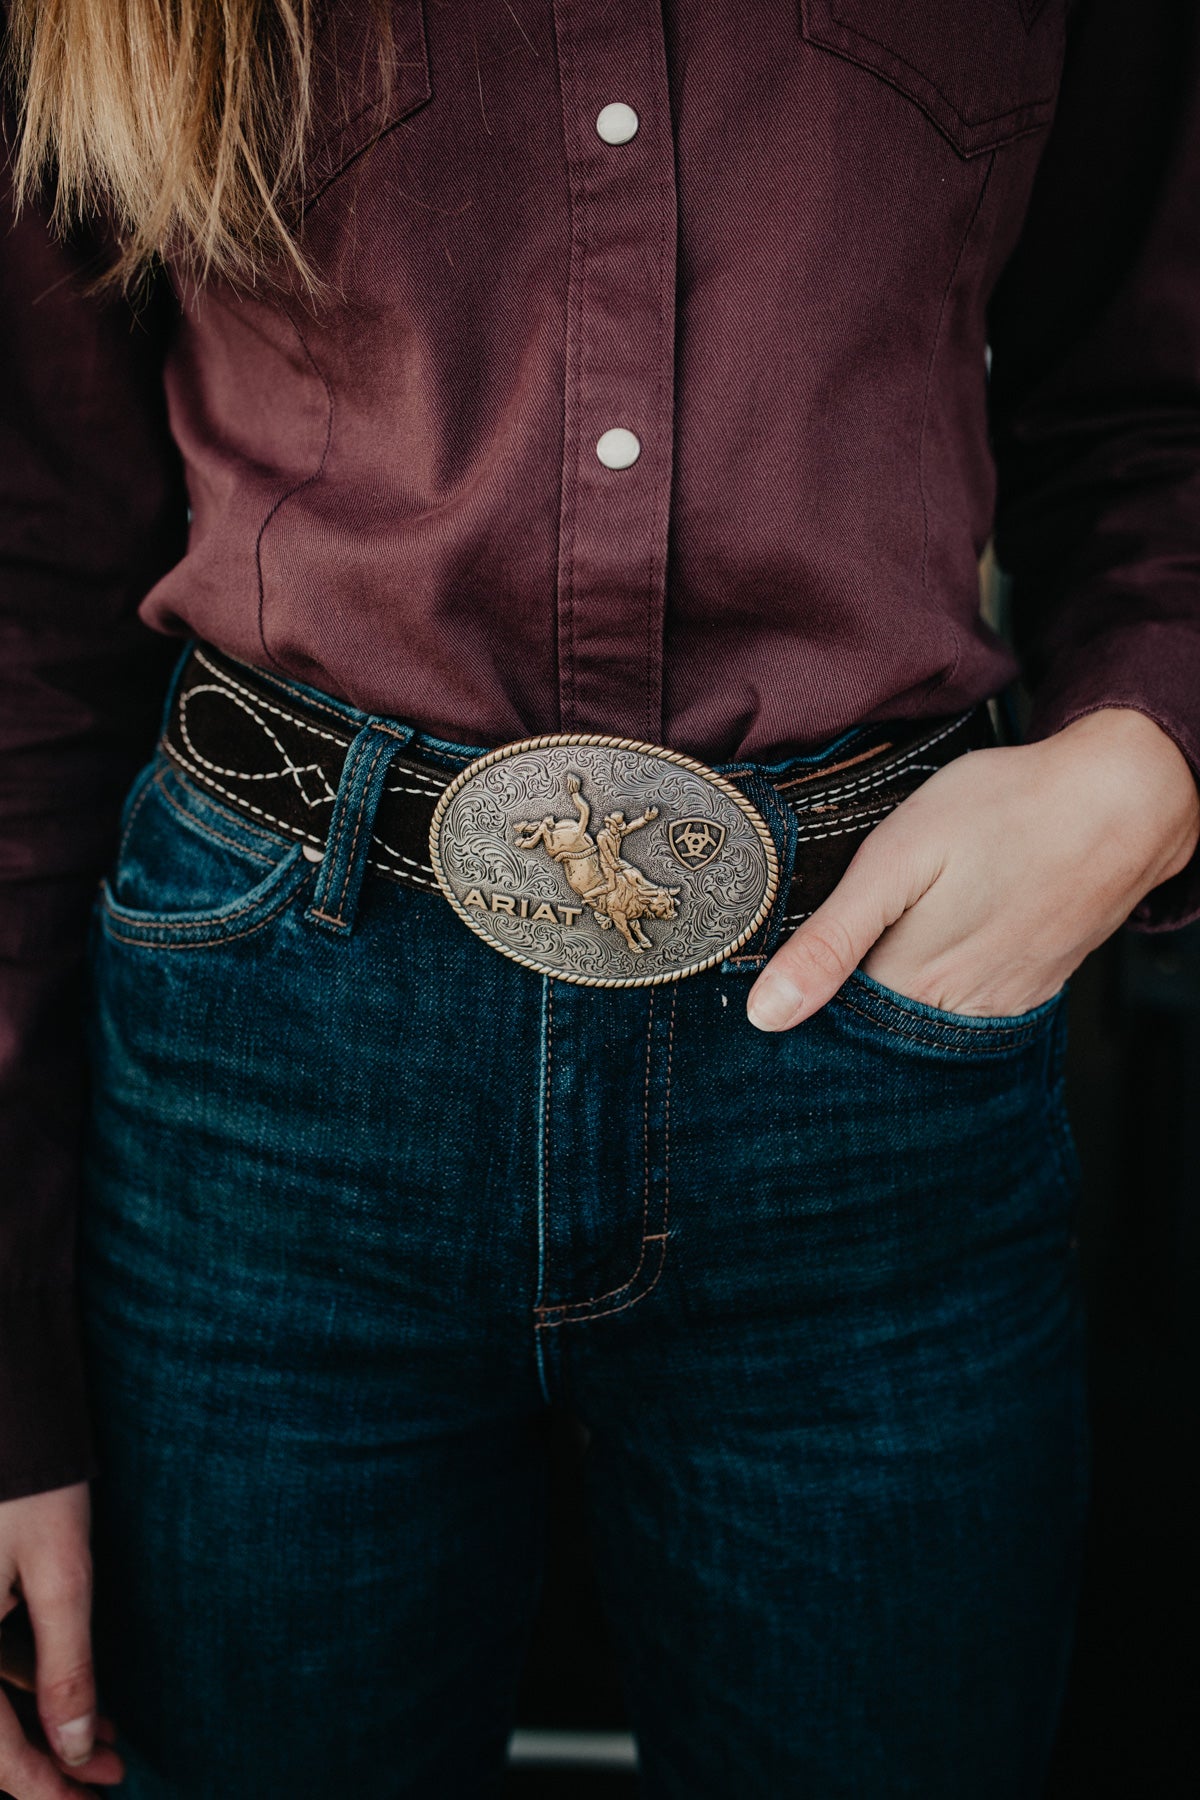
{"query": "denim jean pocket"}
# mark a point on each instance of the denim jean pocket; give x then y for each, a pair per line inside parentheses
(934, 1027)
(188, 871)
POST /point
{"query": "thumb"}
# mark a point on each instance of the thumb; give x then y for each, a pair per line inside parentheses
(58, 1592)
(811, 965)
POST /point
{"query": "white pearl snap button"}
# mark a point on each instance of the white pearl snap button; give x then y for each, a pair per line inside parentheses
(616, 123)
(618, 448)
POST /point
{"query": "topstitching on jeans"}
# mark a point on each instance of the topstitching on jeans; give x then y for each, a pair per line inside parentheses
(985, 1039)
(168, 932)
(203, 828)
(618, 1299)
(348, 871)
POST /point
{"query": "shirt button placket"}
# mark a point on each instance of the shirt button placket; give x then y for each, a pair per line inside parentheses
(619, 367)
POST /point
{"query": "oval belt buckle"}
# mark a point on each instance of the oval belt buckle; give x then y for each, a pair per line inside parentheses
(603, 860)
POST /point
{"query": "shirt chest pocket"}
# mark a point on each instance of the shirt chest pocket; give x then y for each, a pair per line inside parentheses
(984, 71)
(353, 105)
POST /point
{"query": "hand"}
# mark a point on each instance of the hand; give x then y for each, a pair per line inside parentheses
(45, 1557)
(986, 888)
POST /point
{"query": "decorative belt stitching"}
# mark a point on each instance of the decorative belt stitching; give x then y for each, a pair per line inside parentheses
(275, 754)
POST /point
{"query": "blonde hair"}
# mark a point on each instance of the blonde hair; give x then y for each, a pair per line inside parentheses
(184, 121)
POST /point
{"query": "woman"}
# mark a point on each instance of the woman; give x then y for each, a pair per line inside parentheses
(528, 406)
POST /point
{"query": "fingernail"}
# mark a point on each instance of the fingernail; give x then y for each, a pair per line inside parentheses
(774, 1002)
(75, 1739)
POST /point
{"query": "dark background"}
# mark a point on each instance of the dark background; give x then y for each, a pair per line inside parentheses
(1131, 1722)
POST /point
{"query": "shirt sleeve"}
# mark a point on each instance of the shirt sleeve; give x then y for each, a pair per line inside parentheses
(92, 511)
(1094, 395)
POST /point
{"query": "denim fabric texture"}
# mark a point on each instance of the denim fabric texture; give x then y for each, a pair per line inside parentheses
(363, 1204)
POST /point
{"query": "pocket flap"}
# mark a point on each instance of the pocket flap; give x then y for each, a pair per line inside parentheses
(352, 105)
(984, 71)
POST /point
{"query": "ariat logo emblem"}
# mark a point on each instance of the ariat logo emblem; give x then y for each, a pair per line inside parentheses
(695, 841)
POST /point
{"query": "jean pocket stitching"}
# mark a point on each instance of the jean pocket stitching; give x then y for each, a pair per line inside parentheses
(889, 1015)
(174, 931)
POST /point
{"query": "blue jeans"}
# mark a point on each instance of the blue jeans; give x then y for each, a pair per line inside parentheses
(359, 1212)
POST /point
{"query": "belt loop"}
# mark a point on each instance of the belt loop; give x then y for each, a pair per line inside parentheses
(364, 772)
(785, 829)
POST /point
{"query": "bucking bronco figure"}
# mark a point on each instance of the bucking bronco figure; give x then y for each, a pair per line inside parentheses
(617, 893)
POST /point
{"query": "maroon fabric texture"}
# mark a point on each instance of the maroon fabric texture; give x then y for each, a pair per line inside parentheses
(785, 283)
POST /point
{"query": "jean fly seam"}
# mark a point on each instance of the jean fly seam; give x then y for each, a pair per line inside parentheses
(543, 1164)
(576, 1311)
(624, 1286)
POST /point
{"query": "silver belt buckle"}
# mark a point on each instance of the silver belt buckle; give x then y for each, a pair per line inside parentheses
(603, 860)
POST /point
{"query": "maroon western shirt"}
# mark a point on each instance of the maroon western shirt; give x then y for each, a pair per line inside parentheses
(768, 247)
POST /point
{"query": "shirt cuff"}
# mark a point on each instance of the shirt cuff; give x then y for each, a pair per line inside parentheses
(45, 1431)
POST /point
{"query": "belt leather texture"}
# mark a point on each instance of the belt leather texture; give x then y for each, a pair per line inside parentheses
(274, 752)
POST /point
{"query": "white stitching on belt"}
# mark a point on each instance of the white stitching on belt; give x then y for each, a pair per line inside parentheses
(433, 790)
(295, 831)
(392, 851)
(295, 770)
(279, 711)
(877, 780)
(867, 824)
